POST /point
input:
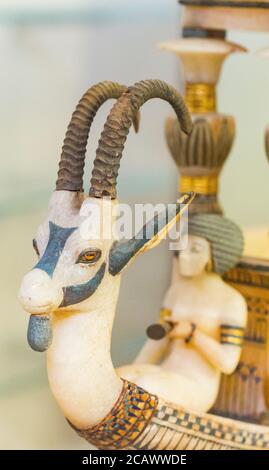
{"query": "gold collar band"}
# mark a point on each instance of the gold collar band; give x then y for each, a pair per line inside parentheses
(207, 185)
(200, 97)
(125, 422)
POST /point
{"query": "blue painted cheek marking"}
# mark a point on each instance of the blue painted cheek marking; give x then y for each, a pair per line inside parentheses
(78, 293)
(58, 237)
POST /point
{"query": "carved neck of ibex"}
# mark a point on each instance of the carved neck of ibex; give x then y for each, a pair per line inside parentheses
(80, 370)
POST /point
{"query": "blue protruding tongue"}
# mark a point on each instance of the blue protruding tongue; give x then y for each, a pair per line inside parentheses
(39, 333)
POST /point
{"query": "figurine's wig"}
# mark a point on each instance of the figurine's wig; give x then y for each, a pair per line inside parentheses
(225, 237)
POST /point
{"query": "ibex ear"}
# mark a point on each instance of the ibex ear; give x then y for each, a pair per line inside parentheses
(124, 252)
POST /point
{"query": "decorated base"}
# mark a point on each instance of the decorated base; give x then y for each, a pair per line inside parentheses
(140, 421)
(175, 429)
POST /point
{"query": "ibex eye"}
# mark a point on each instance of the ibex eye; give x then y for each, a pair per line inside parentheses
(35, 247)
(89, 256)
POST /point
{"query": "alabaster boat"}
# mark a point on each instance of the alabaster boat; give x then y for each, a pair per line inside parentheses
(233, 423)
(72, 295)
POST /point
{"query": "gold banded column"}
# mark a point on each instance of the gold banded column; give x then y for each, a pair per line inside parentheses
(200, 97)
(201, 156)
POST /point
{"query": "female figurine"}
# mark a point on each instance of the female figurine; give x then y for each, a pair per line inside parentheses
(208, 318)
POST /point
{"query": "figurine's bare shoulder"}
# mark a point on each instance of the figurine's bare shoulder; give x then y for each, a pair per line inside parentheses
(234, 308)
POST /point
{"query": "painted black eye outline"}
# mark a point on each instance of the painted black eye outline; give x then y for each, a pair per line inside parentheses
(89, 256)
(36, 248)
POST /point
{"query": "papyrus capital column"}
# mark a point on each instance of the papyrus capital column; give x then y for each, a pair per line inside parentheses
(201, 156)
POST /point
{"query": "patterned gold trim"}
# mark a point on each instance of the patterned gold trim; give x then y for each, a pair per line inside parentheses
(207, 185)
(200, 97)
(125, 422)
(251, 276)
(173, 428)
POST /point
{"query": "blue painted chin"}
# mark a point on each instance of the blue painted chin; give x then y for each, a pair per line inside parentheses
(77, 293)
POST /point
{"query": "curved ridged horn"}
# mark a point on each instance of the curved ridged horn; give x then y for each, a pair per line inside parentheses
(71, 166)
(118, 123)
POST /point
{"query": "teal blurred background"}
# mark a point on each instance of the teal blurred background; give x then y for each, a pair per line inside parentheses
(50, 53)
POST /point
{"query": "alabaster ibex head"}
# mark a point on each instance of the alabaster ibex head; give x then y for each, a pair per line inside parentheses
(77, 272)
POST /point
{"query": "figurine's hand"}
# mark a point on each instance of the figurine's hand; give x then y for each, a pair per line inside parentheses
(182, 329)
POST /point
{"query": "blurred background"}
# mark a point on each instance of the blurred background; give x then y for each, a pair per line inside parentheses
(51, 51)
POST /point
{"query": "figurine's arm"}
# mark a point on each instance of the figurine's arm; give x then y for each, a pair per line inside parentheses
(152, 351)
(224, 354)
